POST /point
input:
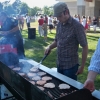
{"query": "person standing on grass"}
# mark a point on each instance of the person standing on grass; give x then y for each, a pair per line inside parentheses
(89, 22)
(40, 21)
(50, 23)
(46, 19)
(20, 22)
(44, 26)
(70, 33)
(28, 19)
(94, 69)
(94, 24)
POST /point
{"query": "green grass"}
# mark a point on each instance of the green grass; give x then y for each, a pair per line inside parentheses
(34, 49)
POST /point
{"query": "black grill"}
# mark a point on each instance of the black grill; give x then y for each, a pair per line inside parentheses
(22, 89)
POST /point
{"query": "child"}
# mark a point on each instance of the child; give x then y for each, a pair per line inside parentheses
(44, 26)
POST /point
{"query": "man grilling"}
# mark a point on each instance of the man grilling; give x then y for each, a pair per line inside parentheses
(12, 38)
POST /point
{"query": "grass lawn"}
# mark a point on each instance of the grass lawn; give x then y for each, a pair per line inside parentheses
(34, 49)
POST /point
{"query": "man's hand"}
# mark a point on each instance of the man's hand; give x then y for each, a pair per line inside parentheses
(89, 84)
(47, 51)
(80, 70)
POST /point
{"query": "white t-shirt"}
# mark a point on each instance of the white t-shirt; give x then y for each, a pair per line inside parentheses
(84, 22)
(49, 21)
(28, 19)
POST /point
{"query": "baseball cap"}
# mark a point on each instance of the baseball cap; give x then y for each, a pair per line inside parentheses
(59, 8)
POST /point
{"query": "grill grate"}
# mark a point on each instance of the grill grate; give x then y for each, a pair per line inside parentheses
(31, 92)
(55, 92)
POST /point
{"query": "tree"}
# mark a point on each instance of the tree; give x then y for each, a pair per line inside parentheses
(1, 6)
(4, 4)
(47, 10)
(16, 5)
(10, 9)
(33, 11)
(24, 8)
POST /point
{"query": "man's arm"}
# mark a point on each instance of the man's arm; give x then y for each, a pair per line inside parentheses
(14, 29)
(10, 31)
(84, 57)
(50, 47)
(89, 83)
(53, 45)
(92, 75)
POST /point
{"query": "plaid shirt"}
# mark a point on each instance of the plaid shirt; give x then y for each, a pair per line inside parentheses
(68, 38)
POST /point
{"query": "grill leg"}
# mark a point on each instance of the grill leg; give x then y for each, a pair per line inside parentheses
(27, 86)
(0, 92)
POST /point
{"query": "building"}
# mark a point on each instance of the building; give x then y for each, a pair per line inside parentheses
(83, 7)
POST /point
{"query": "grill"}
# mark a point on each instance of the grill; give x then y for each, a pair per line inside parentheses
(23, 89)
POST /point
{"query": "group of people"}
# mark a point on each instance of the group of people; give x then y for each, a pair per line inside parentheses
(69, 35)
(87, 22)
(46, 22)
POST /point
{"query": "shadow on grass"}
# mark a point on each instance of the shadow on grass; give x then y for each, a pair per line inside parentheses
(91, 31)
(93, 37)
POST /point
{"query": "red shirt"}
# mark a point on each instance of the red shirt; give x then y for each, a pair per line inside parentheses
(41, 21)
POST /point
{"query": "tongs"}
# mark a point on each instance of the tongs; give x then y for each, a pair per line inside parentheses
(38, 65)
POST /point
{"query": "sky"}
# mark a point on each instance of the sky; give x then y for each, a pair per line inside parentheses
(38, 3)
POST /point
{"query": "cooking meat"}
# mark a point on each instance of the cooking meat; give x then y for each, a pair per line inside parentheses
(36, 78)
(49, 85)
(31, 74)
(41, 88)
(41, 73)
(64, 86)
(41, 82)
(16, 68)
(46, 78)
(22, 74)
(11, 67)
(34, 69)
(32, 82)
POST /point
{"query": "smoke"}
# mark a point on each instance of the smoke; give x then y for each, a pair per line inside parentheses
(11, 49)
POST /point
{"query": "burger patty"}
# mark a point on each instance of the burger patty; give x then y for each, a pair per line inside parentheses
(41, 82)
(46, 78)
(64, 86)
(41, 73)
(16, 68)
(36, 78)
(49, 85)
(31, 74)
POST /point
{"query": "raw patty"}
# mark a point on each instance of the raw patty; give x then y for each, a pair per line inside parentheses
(49, 85)
(22, 74)
(41, 73)
(32, 82)
(41, 82)
(34, 69)
(31, 74)
(36, 78)
(64, 86)
(41, 88)
(16, 68)
(46, 78)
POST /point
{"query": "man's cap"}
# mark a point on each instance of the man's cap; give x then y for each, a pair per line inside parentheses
(59, 8)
